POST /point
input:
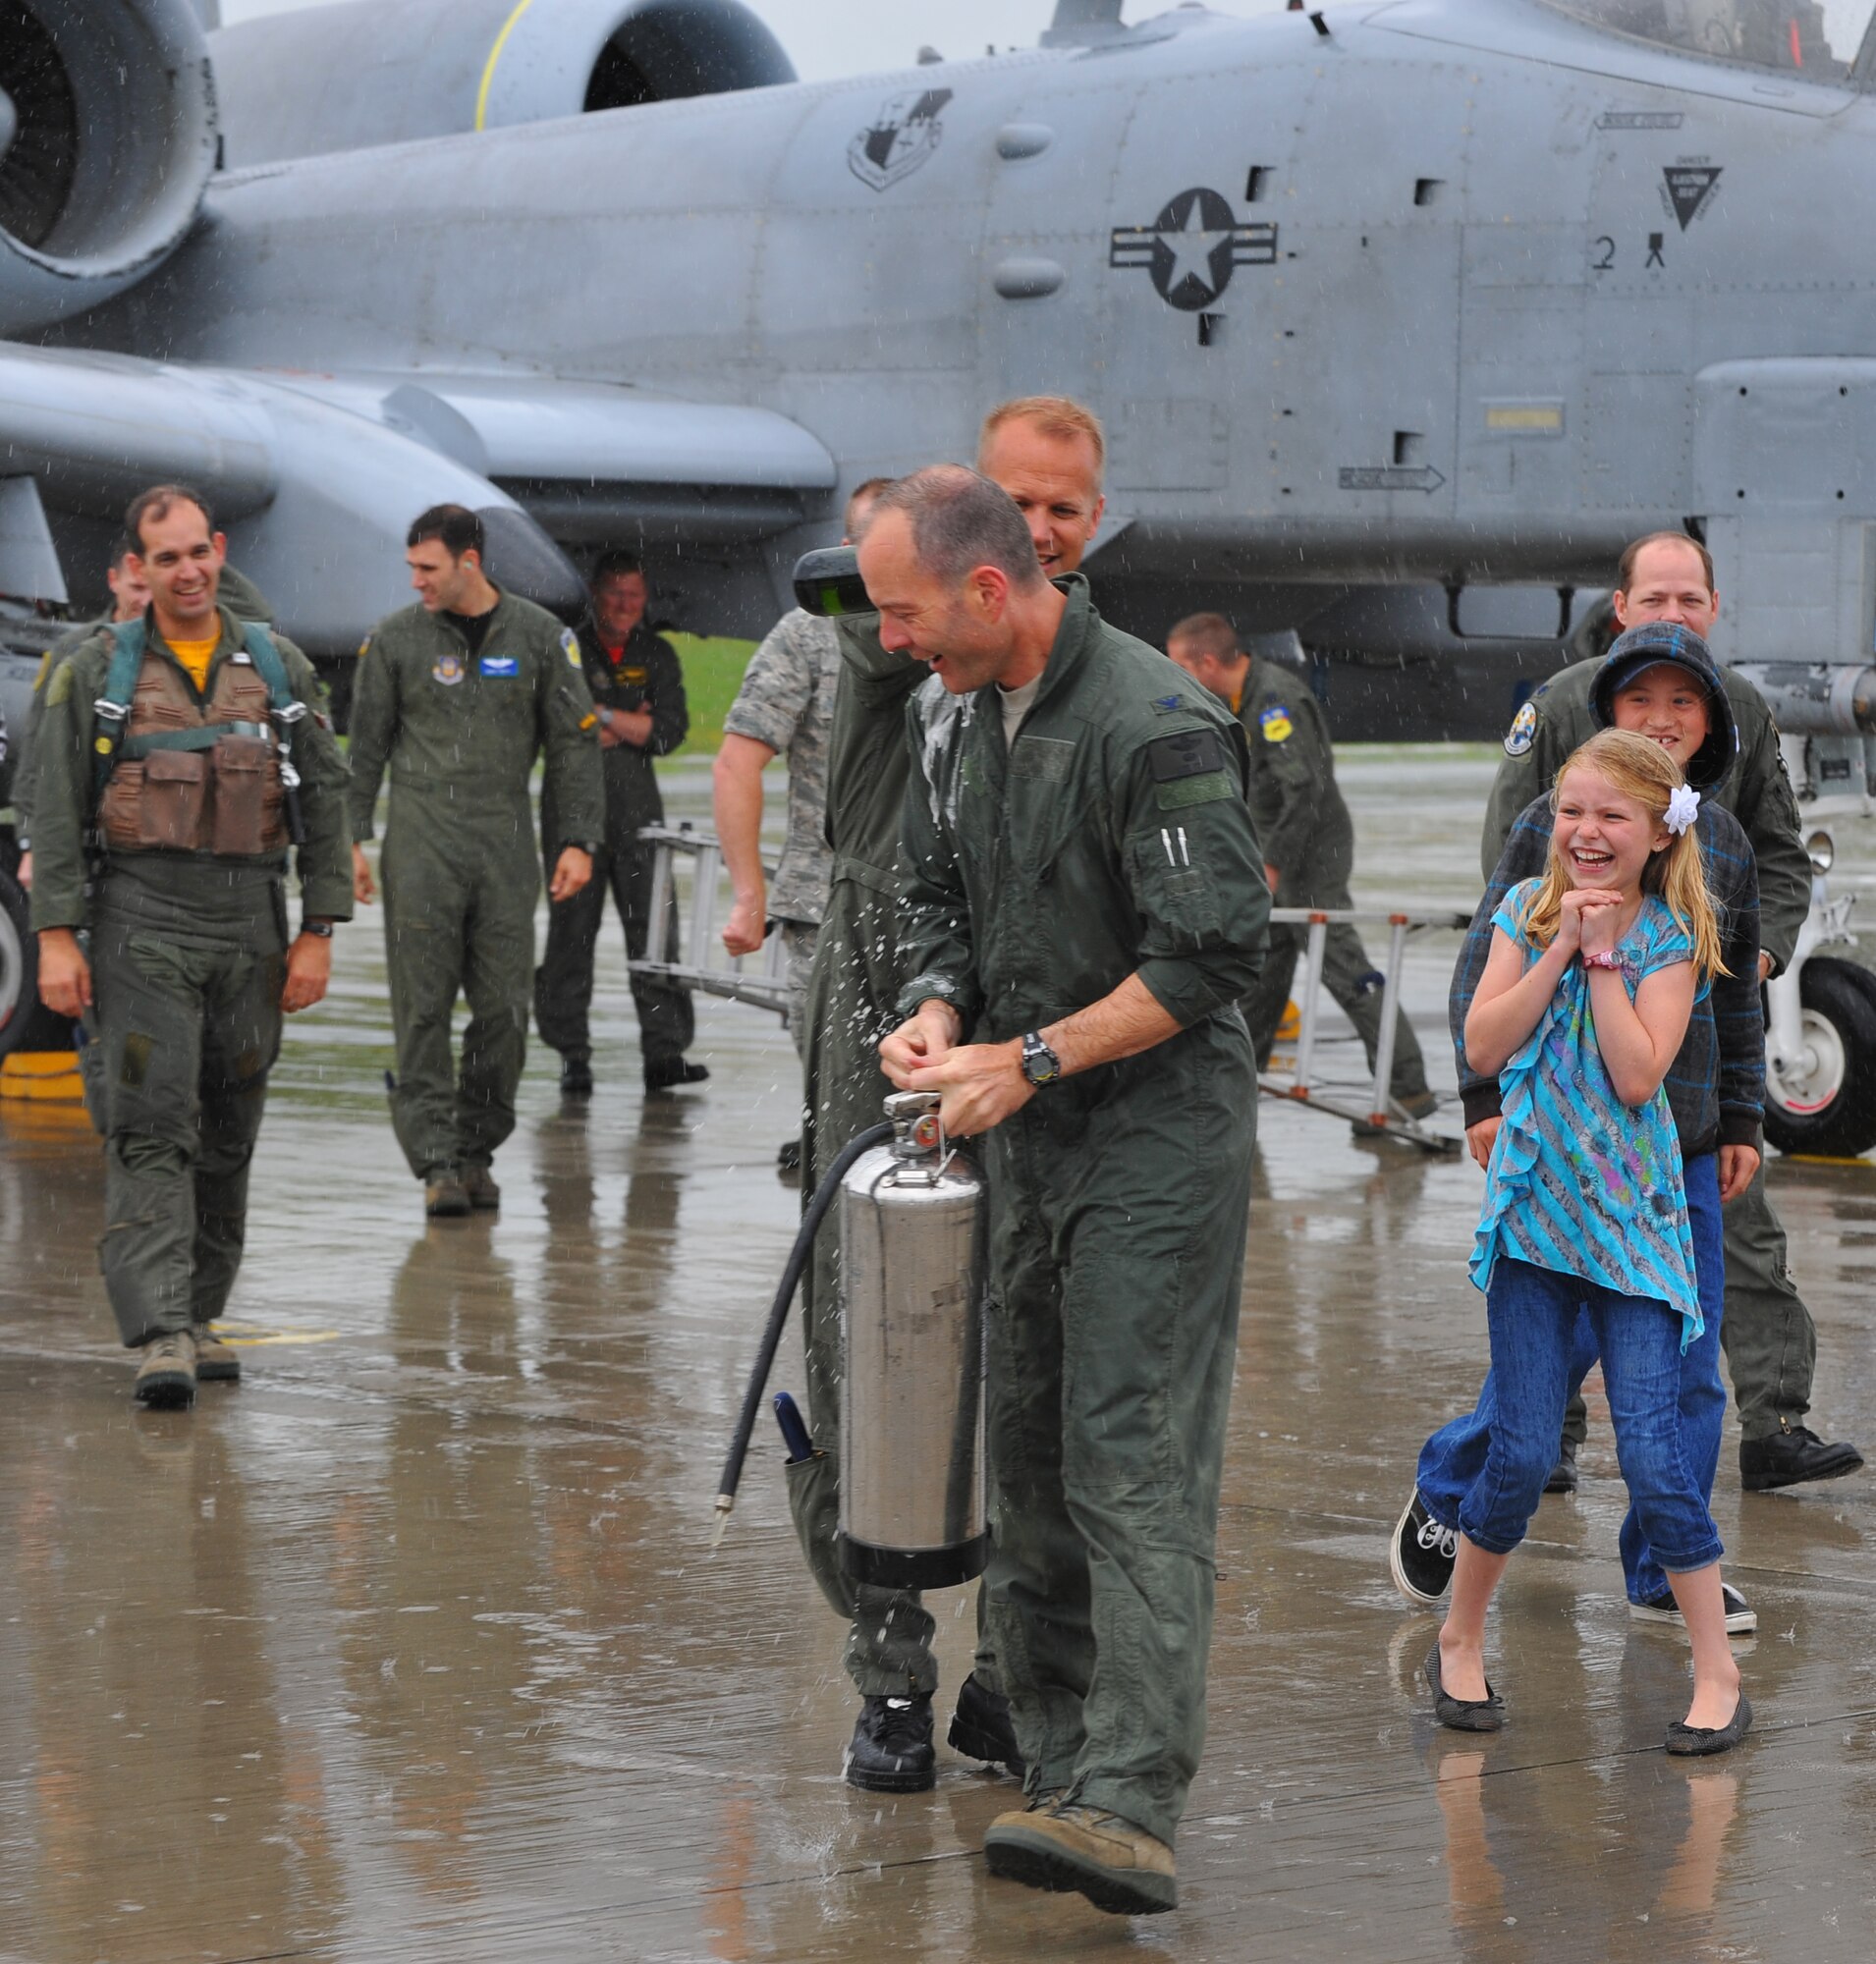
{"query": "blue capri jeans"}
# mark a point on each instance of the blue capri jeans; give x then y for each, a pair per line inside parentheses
(1484, 1473)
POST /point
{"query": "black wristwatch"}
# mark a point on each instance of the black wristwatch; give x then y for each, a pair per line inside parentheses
(1040, 1064)
(323, 929)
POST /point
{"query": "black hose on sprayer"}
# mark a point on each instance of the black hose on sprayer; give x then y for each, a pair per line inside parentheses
(778, 1319)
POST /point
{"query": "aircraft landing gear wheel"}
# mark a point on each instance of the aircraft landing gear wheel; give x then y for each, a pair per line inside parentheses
(1827, 1103)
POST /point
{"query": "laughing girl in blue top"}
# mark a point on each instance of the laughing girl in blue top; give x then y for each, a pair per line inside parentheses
(1593, 973)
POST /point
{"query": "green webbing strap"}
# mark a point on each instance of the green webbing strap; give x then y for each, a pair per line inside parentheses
(112, 709)
(203, 739)
(270, 668)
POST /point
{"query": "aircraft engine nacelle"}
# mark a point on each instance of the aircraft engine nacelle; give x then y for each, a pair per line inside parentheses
(360, 73)
(108, 139)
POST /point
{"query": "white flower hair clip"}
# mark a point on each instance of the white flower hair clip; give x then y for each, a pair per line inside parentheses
(1683, 807)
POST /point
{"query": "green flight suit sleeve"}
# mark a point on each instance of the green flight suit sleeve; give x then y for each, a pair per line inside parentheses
(669, 711)
(374, 730)
(877, 675)
(1767, 807)
(63, 796)
(1194, 870)
(324, 857)
(25, 775)
(935, 943)
(574, 790)
(1292, 748)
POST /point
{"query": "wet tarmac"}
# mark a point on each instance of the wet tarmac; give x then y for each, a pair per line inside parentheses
(410, 1646)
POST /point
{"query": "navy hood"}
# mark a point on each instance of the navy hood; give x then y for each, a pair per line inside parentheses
(1648, 646)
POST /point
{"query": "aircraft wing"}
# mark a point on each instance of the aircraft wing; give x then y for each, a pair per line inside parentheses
(316, 477)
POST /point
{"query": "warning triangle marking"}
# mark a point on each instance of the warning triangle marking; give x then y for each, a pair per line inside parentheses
(1689, 186)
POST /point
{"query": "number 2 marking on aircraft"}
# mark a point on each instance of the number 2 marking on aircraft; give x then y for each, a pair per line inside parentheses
(1605, 254)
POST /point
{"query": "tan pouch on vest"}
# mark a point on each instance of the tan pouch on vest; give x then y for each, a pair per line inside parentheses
(175, 791)
(240, 783)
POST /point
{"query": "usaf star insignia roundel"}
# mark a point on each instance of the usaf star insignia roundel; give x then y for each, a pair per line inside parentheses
(1523, 730)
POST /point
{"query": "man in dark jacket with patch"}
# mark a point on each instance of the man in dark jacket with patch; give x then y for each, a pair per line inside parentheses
(1083, 905)
(638, 690)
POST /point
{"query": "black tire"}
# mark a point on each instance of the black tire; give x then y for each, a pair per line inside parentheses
(25, 1023)
(1836, 1114)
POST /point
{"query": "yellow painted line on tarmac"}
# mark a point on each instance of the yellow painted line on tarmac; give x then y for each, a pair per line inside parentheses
(494, 55)
(254, 1337)
(1829, 1159)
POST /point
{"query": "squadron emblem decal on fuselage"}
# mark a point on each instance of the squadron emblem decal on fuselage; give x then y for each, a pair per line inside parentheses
(901, 137)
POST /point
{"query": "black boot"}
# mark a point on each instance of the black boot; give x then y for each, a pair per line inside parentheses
(670, 1071)
(1792, 1457)
(980, 1727)
(1562, 1476)
(891, 1750)
(575, 1077)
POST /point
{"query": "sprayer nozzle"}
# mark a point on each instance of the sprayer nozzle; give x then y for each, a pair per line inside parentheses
(725, 1501)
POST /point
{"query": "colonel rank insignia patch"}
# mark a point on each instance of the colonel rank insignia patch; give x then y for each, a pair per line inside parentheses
(1275, 723)
(1523, 730)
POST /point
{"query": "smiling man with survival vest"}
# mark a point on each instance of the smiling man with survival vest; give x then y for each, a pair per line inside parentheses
(184, 754)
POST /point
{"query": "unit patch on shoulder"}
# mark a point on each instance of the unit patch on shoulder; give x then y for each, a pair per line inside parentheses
(1185, 755)
(569, 646)
(449, 669)
(1275, 723)
(1523, 730)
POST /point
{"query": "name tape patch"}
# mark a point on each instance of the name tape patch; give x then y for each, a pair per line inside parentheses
(1189, 754)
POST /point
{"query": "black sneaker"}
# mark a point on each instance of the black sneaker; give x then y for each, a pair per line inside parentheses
(980, 1727)
(669, 1072)
(1562, 1476)
(891, 1750)
(1742, 1620)
(1421, 1555)
(1790, 1457)
(575, 1077)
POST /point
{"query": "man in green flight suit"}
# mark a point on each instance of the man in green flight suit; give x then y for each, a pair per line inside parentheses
(458, 695)
(1770, 1339)
(1309, 842)
(1083, 898)
(1047, 452)
(638, 690)
(196, 753)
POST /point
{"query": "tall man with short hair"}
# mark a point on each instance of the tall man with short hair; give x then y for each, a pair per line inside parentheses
(1082, 898)
(1769, 1336)
(456, 696)
(1309, 842)
(199, 749)
(1047, 452)
(638, 690)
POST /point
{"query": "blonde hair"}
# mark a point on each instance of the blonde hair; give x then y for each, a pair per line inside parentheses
(1060, 417)
(1643, 771)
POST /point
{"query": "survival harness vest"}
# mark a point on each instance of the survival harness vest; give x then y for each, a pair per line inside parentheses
(173, 776)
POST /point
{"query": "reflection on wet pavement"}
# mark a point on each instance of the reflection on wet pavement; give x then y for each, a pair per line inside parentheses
(410, 1647)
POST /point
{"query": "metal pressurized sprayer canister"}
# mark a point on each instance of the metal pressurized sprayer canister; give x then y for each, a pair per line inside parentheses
(911, 1410)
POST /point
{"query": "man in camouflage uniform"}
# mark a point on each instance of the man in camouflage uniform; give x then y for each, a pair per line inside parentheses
(1048, 453)
(785, 707)
(195, 779)
(1308, 842)
(456, 696)
(638, 690)
(1770, 1339)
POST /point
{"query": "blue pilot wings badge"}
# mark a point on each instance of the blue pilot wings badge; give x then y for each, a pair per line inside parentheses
(905, 132)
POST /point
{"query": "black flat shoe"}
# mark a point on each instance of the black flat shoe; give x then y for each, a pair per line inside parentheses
(1473, 1714)
(1699, 1742)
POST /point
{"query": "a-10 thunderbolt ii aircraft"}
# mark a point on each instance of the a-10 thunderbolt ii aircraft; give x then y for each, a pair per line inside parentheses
(1404, 315)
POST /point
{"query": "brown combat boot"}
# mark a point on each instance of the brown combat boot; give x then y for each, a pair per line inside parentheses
(1118, 1867)
(215, 1362)
(479, 1184)
(166, 1371)
(445, 1197)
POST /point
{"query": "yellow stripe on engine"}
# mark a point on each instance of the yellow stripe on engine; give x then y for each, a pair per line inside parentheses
(494, 55)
